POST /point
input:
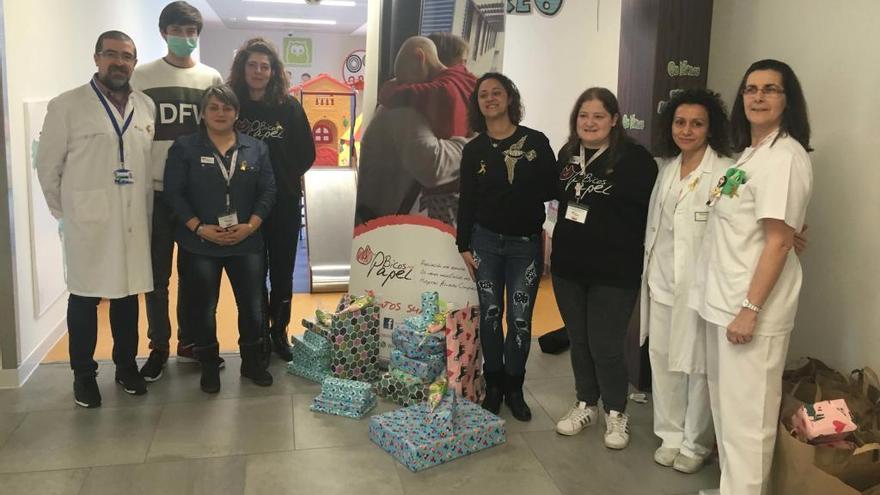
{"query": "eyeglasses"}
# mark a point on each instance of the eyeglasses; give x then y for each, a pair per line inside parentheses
(114, 55)
(767, 91)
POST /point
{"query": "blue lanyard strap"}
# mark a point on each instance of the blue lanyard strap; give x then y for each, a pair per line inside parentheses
(119, 132)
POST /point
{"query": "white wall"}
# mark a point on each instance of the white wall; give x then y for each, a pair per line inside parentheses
(553, 59)
(833, 50)
(41, 63)
(329, 50)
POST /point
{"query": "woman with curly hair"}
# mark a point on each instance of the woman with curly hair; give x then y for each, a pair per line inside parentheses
(270, 114)
(507, 173)
(694, 140)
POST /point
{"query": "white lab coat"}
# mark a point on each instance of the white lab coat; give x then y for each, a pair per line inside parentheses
(105, 226)
(686, 346)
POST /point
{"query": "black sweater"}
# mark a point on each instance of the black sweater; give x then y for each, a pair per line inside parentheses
(608, 248)
(286, 130)
(490, 199)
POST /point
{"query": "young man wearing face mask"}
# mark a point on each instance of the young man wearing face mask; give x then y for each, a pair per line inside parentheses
(175, 82)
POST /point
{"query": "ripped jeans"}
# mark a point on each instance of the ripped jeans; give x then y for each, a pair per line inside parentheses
(515, 263)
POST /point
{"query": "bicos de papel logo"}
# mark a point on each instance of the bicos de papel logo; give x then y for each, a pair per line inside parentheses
(383, 266)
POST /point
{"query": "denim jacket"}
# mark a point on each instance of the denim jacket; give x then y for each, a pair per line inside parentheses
(195, 187)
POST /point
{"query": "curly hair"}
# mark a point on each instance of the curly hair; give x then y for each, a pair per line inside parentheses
(719, 128)
(795, 121)
(276, 90)
(515, 110)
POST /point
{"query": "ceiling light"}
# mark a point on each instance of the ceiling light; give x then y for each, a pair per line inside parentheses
(290, 20)
(329, 3)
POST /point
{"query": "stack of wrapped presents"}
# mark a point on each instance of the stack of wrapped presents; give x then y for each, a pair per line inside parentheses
(350, 347)
(311, 356)
(426, 435)
(419, 355)
(342, 397)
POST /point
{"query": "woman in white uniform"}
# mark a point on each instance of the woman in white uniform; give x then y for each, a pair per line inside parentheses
(748, 279)
(695, 139)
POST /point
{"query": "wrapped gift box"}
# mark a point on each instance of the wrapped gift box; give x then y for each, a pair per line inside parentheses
(342, 397)
(430, 307)
(402, 388)
(311, 357)
(354, 337)
(418, 344)
(827, 421)
(426, 370)
(405, 434)
(464, 357)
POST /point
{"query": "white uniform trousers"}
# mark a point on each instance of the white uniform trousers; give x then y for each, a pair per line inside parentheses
(745, 388)
(682, 418)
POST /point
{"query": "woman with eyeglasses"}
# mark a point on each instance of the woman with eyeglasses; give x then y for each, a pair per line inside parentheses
(271, 115)
(694, 141)
(220, 184)
(748, 278)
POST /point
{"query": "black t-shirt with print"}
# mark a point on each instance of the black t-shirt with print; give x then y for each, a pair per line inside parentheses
(607, 249)
(285, 129)
(504, 184)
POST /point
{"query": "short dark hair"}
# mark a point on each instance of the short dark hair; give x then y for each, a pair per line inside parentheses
(719, 128)
(276, 91)
(113, 35)
(514, 108)
(182, 14)
(616, 138)
(451, 49)
(795, 121)
(223, 93)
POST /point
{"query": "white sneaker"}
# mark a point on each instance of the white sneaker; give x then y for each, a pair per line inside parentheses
(577, 418)
(616, 430)
(665, 456)
(687, 464)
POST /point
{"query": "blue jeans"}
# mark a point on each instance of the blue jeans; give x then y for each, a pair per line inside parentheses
(246, 276)
(512, 263)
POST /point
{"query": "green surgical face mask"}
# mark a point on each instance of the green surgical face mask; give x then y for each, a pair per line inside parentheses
(181, 46)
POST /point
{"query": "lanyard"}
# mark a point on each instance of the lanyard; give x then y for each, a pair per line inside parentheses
(585, 164)
(119, 132)
(227, 174)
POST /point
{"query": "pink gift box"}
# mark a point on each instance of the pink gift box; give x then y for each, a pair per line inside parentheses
(464, 357)
(823, 422)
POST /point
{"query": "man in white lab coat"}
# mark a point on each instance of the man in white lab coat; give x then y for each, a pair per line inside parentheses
(93, 164)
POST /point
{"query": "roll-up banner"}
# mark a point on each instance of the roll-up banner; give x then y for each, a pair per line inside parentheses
(408, 170)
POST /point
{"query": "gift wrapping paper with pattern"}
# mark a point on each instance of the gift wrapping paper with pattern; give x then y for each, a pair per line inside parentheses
(464, 357)
(342, 397)
(427, 369)
(418, 344)
(402, 388)
(354, 336)
(311, 357)
(417, 445)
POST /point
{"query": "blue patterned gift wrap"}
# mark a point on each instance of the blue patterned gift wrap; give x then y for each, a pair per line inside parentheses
(311, 357)
(427, 370)
(342, 397)
(418, 344)
(430, 307)
(404, 434)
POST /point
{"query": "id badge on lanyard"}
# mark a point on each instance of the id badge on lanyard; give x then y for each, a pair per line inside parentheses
(228, 217)
(576, 211)
(121, 176)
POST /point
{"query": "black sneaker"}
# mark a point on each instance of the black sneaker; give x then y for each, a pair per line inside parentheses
(85, 392)
(152, 370)
(132, 381)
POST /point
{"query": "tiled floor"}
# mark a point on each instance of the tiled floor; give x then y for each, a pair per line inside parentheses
(256, 440)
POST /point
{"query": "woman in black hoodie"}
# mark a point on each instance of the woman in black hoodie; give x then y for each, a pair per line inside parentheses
(270, 114)
(605, 185)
